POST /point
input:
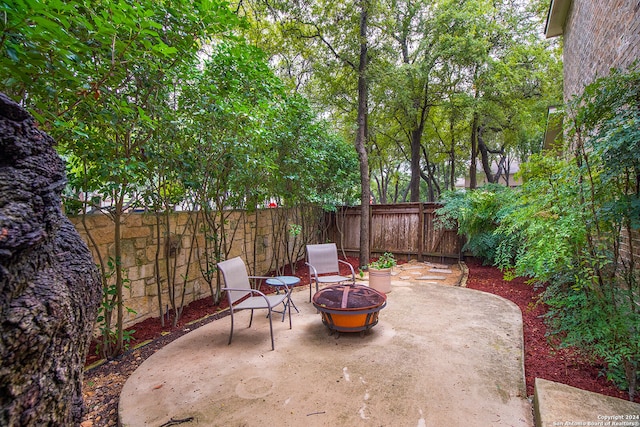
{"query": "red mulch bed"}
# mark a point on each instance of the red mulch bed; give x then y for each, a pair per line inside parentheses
(541, 359)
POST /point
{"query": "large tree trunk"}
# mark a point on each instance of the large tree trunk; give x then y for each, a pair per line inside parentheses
(421, 110)
(473, 183)
(49, 286)
(361, 136)
(486, 161)
(416, 143)
(414, 183)
(452, 157)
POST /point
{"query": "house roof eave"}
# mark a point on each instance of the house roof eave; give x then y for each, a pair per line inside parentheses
(556, 17)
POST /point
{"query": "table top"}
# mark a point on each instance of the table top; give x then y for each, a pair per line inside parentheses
(288, 280)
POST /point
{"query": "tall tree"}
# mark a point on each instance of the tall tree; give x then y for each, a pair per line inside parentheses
(409, 25)
(361, 136)
(510, 73)
(334, 37)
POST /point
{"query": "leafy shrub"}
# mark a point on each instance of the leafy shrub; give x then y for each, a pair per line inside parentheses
(567, 225)
(478, 214)
(573, 215)
(386, 260)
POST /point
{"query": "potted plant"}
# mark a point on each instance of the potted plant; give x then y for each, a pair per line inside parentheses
(380, 272)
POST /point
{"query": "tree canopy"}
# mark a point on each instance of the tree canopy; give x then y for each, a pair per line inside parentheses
(156, 104)
(212, 105)
(123, 85)
(450, 82)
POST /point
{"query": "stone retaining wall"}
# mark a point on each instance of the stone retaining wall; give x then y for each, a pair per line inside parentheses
(253, 240)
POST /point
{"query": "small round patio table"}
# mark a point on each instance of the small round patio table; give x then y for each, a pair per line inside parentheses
(279, 282)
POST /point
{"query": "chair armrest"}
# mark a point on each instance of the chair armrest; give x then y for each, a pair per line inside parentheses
(315, 272)
(252, 292)
(353, 273)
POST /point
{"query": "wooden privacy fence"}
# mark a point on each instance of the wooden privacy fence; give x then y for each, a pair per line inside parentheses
(407, 229)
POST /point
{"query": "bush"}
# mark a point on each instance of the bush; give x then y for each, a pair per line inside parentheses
(573, 215)
(567, 226)
(478, 214)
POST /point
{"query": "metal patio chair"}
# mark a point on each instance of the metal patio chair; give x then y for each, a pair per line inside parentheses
(324, 266)
(239, 288)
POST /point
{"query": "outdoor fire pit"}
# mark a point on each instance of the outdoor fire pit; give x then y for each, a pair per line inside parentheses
(349, 308)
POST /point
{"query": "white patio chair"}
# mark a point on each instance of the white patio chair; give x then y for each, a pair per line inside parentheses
(324, 266)
(238, 288)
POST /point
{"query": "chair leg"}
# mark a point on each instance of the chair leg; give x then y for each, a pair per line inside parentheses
(271, 330)
(251, 318)
(311, 288)
(231, 333)
(317, 289)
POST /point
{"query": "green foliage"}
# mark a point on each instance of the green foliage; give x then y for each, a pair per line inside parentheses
(241, 140)
(567, 225)
(386, 260)
(573, 216)
(159, 103)
(263, 142)
(110, 332)
(597, 327)
(546, 221)
(60, 54)
(451, 71)
(478, 214)
(295, 230)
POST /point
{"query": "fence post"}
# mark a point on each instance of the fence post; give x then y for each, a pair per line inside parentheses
(421, 231)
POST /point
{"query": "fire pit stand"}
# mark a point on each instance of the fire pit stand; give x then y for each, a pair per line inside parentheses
(349, 308)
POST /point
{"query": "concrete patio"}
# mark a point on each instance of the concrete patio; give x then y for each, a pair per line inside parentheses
(439, 356)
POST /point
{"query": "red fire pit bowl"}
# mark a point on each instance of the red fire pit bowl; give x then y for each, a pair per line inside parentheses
(349, 308)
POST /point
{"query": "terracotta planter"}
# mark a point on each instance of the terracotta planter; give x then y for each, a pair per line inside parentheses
(349, 308)
(380, 279)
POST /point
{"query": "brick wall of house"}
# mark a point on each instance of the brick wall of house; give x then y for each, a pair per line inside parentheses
(253, 241)
(599, 35)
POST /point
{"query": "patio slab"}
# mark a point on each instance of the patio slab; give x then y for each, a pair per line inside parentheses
(439, 356)
(558, 404)
(441, 270)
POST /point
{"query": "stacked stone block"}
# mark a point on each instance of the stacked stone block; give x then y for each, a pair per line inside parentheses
(140, 245)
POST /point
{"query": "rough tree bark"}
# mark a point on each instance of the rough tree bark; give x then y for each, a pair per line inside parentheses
(484, 156)
(361, 136)
(49, 286)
